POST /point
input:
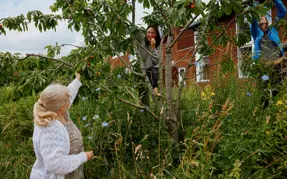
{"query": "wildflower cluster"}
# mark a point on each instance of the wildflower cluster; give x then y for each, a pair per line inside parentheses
(207, 93)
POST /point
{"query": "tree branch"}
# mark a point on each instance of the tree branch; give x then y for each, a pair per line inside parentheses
(133, 12)
(128, 65)
(218, 36)
(132, 104)
(48, 58)
(137, 106)
(71, 45)
(185, 56)
(160, 63)
(181, 32)
(138, 43)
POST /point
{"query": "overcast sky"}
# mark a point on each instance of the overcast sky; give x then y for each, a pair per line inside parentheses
(33, 41)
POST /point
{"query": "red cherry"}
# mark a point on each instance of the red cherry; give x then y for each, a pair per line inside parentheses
(192, 6)
(1, 26)
(88, 64)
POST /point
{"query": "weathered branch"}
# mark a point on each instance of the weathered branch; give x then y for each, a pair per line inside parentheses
(160, 63)
(62, 45)
(185, 56)
(138, 43)
(48, 58)
(138, 106)
(131, 94)
(133, 12)
(181, 32)
(128, 65)
(132, 104)
(60, 66)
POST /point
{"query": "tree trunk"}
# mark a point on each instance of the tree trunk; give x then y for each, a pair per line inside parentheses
(171, 119)
(143, 88)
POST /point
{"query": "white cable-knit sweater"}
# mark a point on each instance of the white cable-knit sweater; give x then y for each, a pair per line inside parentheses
(52, 146)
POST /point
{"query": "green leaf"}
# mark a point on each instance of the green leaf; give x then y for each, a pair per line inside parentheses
(53, 8)
(40, 27)
(77, 27)
(29, 16)
(146, 4)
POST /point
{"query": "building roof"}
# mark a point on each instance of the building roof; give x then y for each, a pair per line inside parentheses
(194, 25)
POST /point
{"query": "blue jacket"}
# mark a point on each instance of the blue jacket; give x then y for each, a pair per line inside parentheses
(273, 35)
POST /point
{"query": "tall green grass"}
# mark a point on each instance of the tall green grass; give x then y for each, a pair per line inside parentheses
(226, 134)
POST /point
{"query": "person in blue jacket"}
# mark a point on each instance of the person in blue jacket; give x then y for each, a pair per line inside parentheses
(266, 38)
(267, 46)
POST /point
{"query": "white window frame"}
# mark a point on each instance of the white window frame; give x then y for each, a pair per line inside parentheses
(248, 45)
(239, 59)
(199, 73)
(180, 76)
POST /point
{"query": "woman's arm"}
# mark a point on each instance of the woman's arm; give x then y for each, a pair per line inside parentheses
(74, 88)
(281, 13)
(254, 29)
(52, 149)
(254, 25)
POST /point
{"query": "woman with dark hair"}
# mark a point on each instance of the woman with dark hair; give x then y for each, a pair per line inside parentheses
(151, 42)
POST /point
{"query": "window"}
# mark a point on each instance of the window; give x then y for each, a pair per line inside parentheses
(180, 74)
(245, 50)
(243, 53)
(202, 72)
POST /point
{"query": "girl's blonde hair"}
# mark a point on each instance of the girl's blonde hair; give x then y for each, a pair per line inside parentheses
(51, 99)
